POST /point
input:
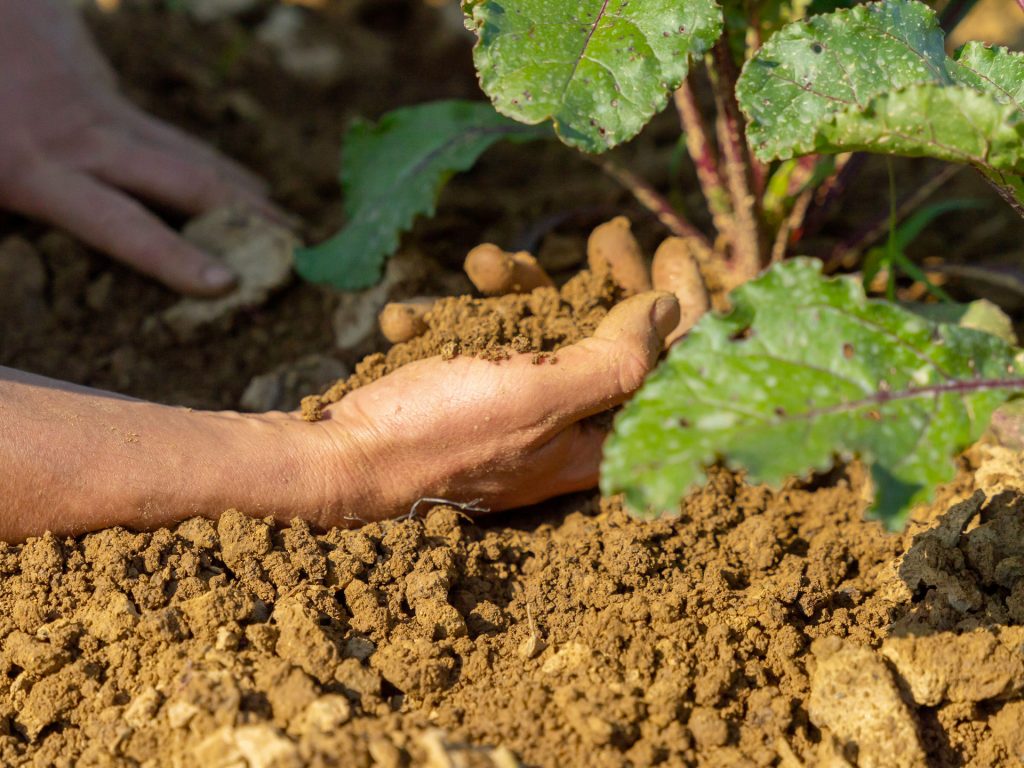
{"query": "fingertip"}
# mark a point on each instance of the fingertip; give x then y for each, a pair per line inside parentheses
(640, 315)
(217, 278)
(665, 314)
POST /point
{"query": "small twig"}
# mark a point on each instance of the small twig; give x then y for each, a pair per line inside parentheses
(461, 506)
(844, 254)
(746, 236)
(703, 154)
(655, 202)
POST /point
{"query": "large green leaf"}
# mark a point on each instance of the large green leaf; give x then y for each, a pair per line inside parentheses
(600, 69)
(804, 369)
(392, 173)
(876, 78)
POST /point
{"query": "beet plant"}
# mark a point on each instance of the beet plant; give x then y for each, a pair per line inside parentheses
(804, 368)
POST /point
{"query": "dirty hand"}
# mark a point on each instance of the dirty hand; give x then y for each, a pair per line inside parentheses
(515, 433)
(74, 152)
(502, 434)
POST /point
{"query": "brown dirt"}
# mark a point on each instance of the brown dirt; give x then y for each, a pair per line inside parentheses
(747, 630)
(760, 626)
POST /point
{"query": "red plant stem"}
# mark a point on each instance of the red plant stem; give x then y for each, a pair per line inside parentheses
(655, 202)
(846, 253)
(1021, 4)
(746, 236)
(704, 156)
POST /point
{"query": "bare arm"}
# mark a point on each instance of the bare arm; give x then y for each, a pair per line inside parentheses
(74, 459)
(509, 434)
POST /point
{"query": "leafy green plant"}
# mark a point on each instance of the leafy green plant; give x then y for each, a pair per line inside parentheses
(804, 369)
(393, 172)
(773, 98)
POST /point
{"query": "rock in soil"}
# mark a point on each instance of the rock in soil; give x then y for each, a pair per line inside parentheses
(855, 696)
(258, 251)
(283, 388)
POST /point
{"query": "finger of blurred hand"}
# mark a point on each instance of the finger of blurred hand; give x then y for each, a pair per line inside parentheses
(602, 371)
(116, 224)
(675, 270)
(180, 143)
(169, 179)
(496, 272)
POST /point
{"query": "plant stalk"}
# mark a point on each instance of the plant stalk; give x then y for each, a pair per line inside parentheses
(746, 235)
(655, 202)
(704, 156)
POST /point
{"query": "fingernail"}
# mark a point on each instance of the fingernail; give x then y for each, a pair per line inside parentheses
(218, 277)
(665, 315)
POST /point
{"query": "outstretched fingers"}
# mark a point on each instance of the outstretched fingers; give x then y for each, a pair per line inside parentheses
(110, 221)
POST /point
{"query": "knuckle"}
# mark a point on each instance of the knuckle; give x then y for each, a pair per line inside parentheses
(633, 365)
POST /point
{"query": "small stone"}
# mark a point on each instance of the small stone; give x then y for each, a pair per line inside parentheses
(327, 713)
(569, 657)
(228, 638)
(258, 251)
(299, 51)
(283, 388)
(854, 695)
(180, 712)
(143, 708)
(531, 647)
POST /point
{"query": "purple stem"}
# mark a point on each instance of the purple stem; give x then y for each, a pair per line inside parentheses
(746, 235)
(703, 154)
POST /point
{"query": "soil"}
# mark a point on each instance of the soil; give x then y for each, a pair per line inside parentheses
(762, 627)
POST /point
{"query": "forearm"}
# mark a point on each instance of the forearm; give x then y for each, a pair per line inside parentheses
(74, 459)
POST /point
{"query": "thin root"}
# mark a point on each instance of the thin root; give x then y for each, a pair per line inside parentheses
(463, 507)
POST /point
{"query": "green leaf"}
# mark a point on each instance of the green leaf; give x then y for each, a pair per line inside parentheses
(600, 69)
(876, 78)
(393, 171)
(803, 369)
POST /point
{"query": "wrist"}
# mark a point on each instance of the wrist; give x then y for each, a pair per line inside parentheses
(283, 467)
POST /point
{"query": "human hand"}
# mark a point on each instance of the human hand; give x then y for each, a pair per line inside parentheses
(502, 434)
(514, 433)
(74, 153)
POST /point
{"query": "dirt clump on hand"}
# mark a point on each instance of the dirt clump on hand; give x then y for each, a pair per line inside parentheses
(541, 321)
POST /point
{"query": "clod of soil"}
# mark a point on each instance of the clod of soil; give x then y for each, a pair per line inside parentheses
(542, 321)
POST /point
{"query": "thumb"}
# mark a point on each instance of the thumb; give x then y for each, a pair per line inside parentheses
(602, 371)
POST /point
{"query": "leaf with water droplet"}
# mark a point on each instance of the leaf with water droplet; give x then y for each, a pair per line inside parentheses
(393, 172)
(804, 369)
(599, 69)
(876, 78)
